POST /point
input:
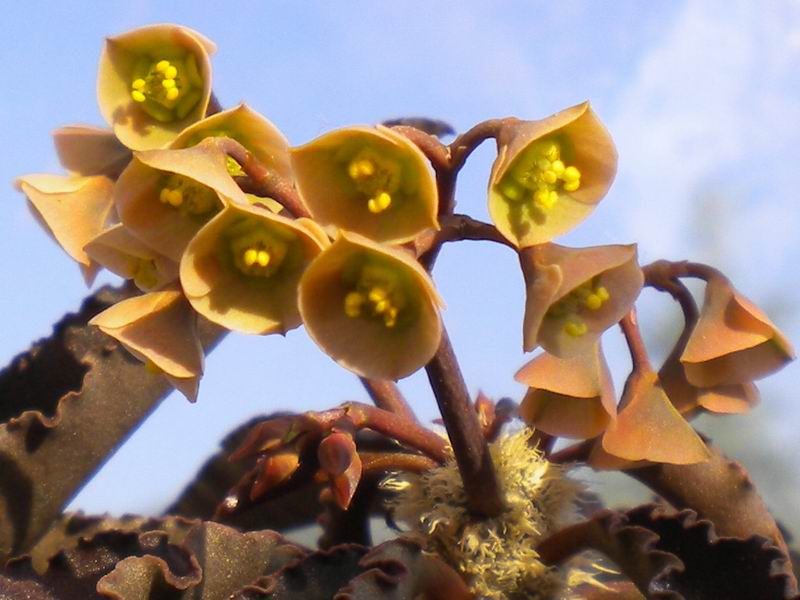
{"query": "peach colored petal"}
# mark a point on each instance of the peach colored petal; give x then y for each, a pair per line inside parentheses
(332, 199)
(117, 250)
(90, 150)
(649, 428)
(733, 341)
(729, 399)
(222, 294)
(366, 346)
(132, 125)
(551, 272)
(73, 210)
(591, 150)
(159, 326)
(253, 131)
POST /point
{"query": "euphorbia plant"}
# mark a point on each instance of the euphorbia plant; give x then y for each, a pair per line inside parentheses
(222, 226)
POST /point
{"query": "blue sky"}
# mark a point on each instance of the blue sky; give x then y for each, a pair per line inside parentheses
(702, 99)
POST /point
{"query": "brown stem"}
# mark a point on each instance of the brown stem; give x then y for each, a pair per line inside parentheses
(385, 462)
(662, 270)
(464, 430)
(456, 228)
(466, 143)
(639, 357)
(386, 395)
(350, 526)
(398, 428)
(266, 181)
(431, 147)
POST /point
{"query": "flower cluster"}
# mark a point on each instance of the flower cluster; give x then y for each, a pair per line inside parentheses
(212, 214)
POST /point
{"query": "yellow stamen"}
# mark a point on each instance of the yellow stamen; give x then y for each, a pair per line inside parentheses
(138, 84)
(168, 83)
(144, 273)
(256, 250)
(188, 196)
(380, 203)
(540, 174)
(358, 169)
(352, 304)
(173, 93)
(171, 72)
(162, 66)
(138, 96)
(167, 90)
(575, 328)
(593, 302)
(603, 293)
(250, 257)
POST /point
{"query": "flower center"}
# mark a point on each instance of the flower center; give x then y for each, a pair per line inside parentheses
(375, 177)
(377, 296)
(167, 89)
(257, 252)
(587, 296)
(188, 196)
(540, 175)
(144, 273)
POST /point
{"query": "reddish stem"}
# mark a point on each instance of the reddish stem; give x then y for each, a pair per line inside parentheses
(386, 395)
(385, 462)
(266, 182)
(639, 357)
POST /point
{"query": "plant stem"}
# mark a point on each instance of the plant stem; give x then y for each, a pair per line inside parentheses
(386, 395)
(464, 430)
(639, 357)
(266, 181)
(456, 228)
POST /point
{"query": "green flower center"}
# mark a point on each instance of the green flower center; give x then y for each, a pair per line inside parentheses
(375, 177)
(188, 196)
(256, 250)
(378, 296)
(587, 296)
(539, 176)
(167, 90)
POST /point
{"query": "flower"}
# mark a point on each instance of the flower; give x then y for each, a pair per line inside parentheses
(90, 151)
(241, 123)
(572, 397)
(153, 82)
(73, 210)
(648, 427)
(164, 197)
(159, 329)
(733, 342)
(121, 253)
(371, 308)
(498, 555)
(550, 174)
(242, 269)
(574, 294)
(372, 181)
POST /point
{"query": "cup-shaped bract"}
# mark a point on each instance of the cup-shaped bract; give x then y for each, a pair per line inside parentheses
(550, 174)
(371, 308)
(90, 150)
(372, 181)
(733, 341)
(243, 268)
(253, 131)
(164, 197)
(73, 210)
(568, 397)
(574, 294)
(122, 253)
(153, 82)
(648, 427)
(159, 329)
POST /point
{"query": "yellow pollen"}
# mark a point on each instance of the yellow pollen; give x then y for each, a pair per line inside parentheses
(377, 296)
(144, 273)
(575, 328)
(162, 66)
(138, 84)
(168, 83)
(138, 96)
(250, 257)
(380, 203)
(540, 175)
(188, 196)
(171, 72)
(256, 251)
(167, 90)
(352, 304)
(358, 169)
